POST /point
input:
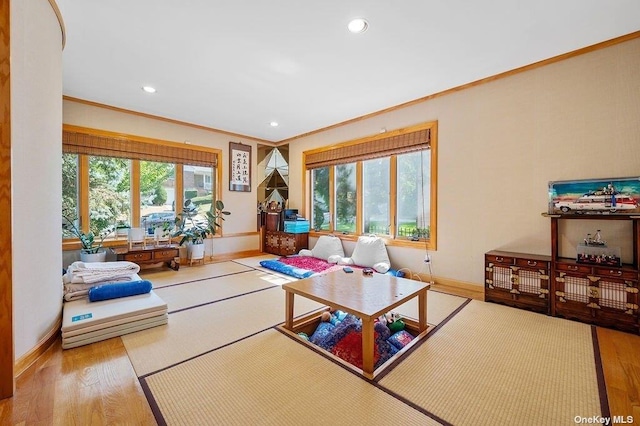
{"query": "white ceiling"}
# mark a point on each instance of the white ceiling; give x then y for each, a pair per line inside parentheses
(238, 65)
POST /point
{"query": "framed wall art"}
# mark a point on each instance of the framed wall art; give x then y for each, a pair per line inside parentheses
(615, 196)
(239, 167)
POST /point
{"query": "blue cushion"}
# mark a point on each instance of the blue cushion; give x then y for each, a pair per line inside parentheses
(119, 289)
(283, 268)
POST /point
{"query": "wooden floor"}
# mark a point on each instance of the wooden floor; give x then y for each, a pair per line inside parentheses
(96, 385)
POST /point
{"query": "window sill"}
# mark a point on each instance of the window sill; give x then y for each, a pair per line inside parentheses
(392, 242)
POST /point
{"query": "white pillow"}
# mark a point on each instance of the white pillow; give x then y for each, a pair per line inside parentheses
(327, 246)
(305, 252)
(372, 253)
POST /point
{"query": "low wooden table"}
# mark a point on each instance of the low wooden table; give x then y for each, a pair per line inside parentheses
(151, 256)
(366, 297)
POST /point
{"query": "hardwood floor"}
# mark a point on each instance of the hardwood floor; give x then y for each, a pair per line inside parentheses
(97, 385)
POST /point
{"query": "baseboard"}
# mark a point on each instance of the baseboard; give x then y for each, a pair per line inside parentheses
(449, 285)
(24, 362)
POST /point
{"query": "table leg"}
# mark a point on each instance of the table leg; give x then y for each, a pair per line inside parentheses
(367, 347)
(288, 310)
(422, 311)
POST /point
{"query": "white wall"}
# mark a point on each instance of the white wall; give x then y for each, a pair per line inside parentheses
(242, 205)
(36, 117)
(500, 143)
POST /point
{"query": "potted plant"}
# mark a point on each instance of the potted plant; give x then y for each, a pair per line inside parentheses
(193, 231)
(162, 232)
(91, 250)
(122, 228)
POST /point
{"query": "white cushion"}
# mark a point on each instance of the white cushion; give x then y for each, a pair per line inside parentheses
(327, 246)
(305, 252)
(345, 261)
(334, 258)
(371, 251)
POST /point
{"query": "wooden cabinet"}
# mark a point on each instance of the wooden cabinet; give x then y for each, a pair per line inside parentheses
(149, 256)
(285, 243)
(518, 279)
(596, 294)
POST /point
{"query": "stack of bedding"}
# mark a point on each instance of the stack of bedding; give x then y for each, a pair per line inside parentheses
(107, 300)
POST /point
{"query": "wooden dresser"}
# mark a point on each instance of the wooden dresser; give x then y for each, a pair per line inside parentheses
(150, 256)
(285, 243)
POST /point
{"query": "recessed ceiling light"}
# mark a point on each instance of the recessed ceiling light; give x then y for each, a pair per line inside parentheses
(274, 124)
(149, 89)
(358, 25)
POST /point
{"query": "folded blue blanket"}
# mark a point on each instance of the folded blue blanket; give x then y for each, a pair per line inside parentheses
(119, 289)
(283, 268)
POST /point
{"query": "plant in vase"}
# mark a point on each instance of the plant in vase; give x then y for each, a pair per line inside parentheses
(162, 233)
(122, 228)
(193, 231)
(91, 244)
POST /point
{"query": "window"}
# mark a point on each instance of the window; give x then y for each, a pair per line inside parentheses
(346, 195)
(157, 194)
(320, 215)
(110, 179)
(375, 195)
(109, 193)
(383, 184)
(413, 202)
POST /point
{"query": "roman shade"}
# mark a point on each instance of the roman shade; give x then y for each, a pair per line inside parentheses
(367, 150)
(75, 142)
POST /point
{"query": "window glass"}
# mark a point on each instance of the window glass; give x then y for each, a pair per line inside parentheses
(157, 195)
(413, 195)
(198, 190)
(375, 196)
(346, 194)
(70, 190)
(109, 193)
(320, 216)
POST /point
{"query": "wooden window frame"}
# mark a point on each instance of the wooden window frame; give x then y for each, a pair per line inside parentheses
(102, 135)
(355, 151)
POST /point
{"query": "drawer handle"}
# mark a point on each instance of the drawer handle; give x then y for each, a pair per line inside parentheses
(612, 272)
(531, 263)
(573, 268)
(499, 259)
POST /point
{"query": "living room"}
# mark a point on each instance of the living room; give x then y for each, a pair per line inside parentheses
(500, 142)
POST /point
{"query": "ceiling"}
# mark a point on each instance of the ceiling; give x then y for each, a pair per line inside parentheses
(238, 65)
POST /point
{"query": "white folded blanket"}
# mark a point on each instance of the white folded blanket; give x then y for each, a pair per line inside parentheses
(75, 291)
(93, 272)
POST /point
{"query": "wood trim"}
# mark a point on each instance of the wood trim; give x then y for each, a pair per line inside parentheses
(433, 237)
(447, 285)
(509, 73)
(56, 10)
(240, 234)
(6, 254)
(26, 360)
(166, 120)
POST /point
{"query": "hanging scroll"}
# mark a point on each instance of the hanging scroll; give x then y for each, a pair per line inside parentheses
(239, 167)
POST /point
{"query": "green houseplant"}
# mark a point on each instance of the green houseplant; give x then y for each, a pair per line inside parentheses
(91, 244)
(193, 232)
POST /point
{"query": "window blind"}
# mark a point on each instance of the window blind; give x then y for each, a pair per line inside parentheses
(74, 142)
(382, 147)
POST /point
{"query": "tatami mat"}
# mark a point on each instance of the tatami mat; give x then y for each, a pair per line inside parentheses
(205, 291)
(194, 331)
(268, 379)
(495, 365)
(163, 277)
(439, 307)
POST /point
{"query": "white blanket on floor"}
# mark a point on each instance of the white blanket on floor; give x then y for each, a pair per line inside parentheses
(94, 272)
(75, 291)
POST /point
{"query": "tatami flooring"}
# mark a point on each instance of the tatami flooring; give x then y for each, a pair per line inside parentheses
(97, 383)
